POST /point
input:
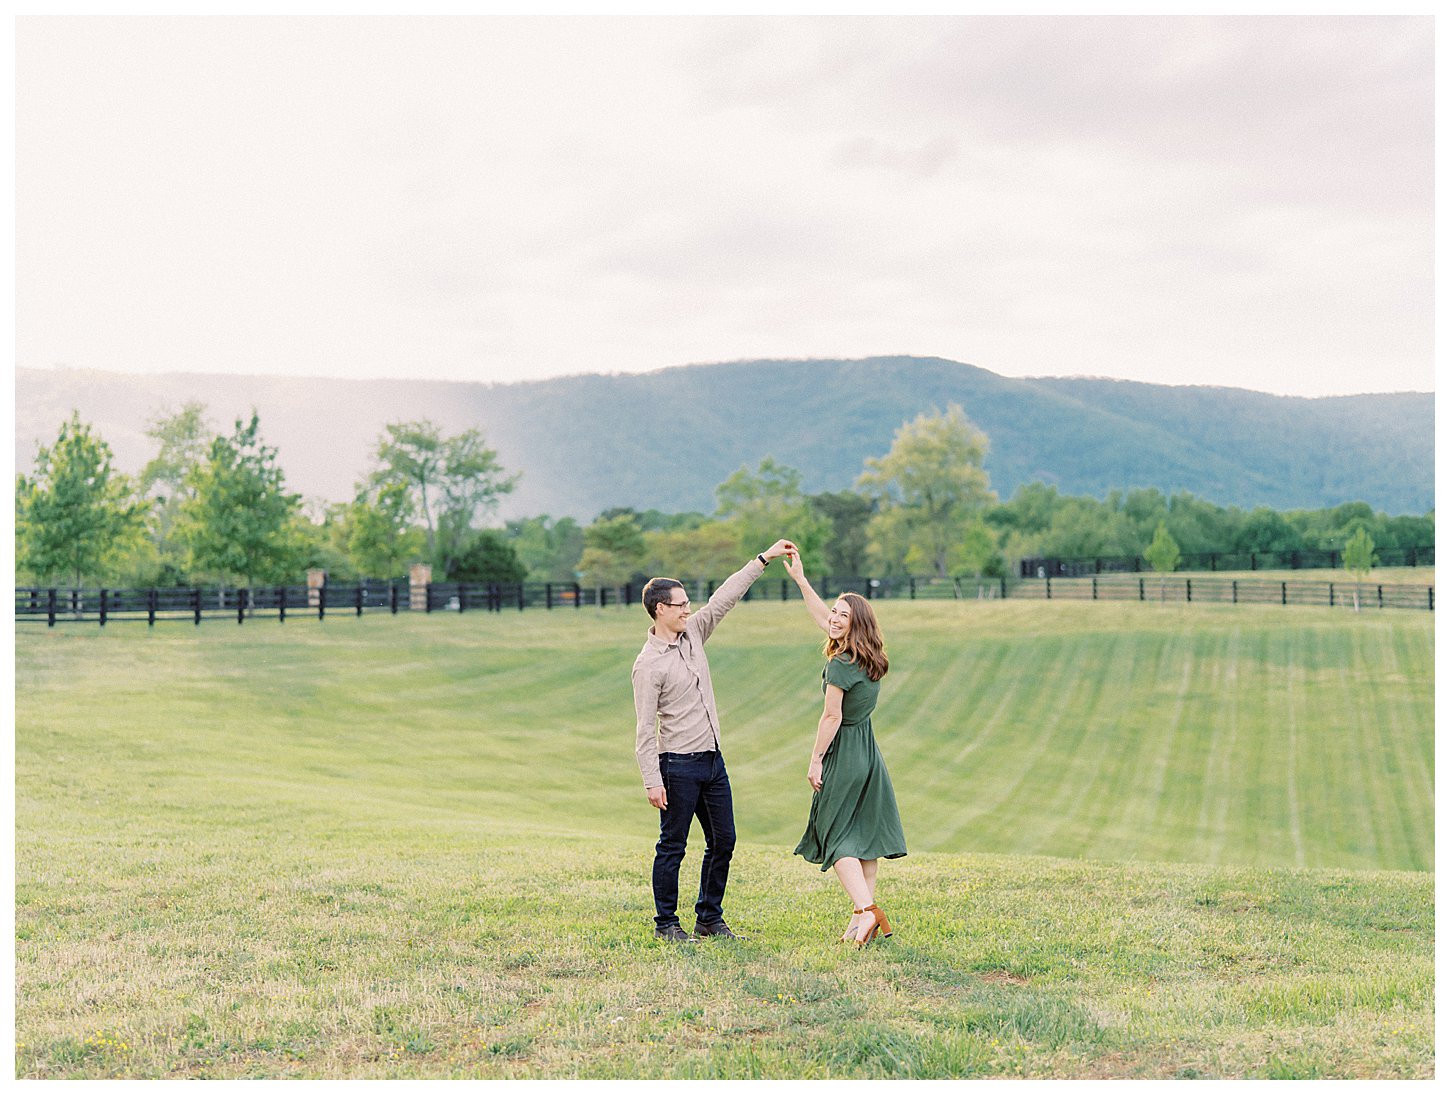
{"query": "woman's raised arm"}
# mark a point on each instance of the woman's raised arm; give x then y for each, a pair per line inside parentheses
(814, 605)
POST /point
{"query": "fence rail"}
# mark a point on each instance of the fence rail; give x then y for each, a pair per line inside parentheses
(1210, 590)
(55, 605)
(1078, 567)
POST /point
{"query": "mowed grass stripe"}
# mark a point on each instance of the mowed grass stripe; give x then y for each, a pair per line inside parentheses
(1097, 730)
(1394, 753)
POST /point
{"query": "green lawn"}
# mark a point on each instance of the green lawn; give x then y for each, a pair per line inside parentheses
(1146, 841)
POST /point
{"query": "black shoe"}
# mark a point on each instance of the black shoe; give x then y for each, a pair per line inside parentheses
(720, 930)
(674, 934)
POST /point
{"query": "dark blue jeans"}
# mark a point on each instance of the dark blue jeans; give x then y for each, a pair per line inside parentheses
(696, 785)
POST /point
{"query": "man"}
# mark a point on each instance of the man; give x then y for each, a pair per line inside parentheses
(684, 772)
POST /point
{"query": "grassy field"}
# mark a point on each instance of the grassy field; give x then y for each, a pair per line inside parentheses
(1145, 842)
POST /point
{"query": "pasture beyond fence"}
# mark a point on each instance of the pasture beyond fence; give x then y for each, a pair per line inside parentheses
(56, 605)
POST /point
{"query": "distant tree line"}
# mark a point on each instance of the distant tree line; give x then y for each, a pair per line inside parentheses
(213, 506)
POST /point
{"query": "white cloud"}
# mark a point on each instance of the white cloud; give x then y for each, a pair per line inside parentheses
(1238, 200)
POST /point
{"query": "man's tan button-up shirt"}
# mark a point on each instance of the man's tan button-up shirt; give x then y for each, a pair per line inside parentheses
(672, 683)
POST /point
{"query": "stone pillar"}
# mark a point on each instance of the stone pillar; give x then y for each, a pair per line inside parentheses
(419, 577)
(316, 579)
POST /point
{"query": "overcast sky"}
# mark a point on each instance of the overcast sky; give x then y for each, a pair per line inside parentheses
(1240, 201)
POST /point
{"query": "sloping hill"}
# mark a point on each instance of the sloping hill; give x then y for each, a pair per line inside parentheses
(666, 439)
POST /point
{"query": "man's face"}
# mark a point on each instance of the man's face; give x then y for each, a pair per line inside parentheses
(670, 616)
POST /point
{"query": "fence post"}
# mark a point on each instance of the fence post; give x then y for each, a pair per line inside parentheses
(1381, 591)
(420, 597)
(1048, 580)
(578, 596)
(196, 606)
(1188, 589)
(281, 604)
(521, 596)
(1003, 580)
(1284, 593)
(1236, 591)
(1432, 598)
(913, 588)
(783, 595)
(103, 608)
(321, 600)
(50, 609)
(151, 608)
(1141, 595)
(1331, 594)
(463, 598)
(241, 604)
(1253, 561)
(393, 596)
(316, 585)
(548, 595)
(1095, 587)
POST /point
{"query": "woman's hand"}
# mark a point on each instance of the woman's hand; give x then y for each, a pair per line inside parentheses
(813, 774)
(793, 566)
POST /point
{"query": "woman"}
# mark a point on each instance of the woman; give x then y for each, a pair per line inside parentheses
(853, 821)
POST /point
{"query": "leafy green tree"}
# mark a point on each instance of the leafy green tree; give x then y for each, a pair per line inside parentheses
(379, 534)
(849, 515)
(1264, 531)
(767, 504)
(317, 532)
(1146, 508)
(489, 557)
(929, 489)
(454, 481)
(550, 549)
(239, 521)
(710, 550)
(614, 551)
(979, 553)
(74, 514)
(183, 438)
(1163, 556)
(1087, 527)
(1358, 559)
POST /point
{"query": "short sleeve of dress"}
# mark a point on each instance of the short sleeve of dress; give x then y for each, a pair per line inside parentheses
(842, 674)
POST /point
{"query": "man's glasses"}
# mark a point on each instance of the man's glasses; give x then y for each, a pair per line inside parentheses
(678, 604)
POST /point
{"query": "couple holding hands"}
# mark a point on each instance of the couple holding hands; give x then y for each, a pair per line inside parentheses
(853, 819)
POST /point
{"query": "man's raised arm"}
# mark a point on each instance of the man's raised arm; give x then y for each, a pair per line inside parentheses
(733, 588)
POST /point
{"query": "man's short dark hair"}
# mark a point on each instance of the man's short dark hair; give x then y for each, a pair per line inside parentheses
(657, 592)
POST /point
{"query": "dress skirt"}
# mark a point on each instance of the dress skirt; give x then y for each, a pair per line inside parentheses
(854, 813)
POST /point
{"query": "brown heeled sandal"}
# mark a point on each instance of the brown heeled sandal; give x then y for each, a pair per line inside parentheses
(879, 925)
(849, 935)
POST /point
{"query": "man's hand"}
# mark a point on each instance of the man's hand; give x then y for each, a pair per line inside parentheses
(656, 797)
(779, 548)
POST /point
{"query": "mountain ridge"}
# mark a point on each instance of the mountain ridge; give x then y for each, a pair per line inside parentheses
(665, 439)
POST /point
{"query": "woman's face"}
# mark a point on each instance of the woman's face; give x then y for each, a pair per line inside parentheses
(840, 621)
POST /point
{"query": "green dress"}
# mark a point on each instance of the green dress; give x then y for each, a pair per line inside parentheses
(854, 813)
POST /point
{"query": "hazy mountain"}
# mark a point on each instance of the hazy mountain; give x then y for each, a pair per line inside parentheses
(665, 439)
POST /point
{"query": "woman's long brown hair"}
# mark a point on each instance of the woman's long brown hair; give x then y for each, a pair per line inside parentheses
(862, 642)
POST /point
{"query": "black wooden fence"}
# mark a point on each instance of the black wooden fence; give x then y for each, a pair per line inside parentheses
(1212, 590)
(56, 605)
(1078, 567)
